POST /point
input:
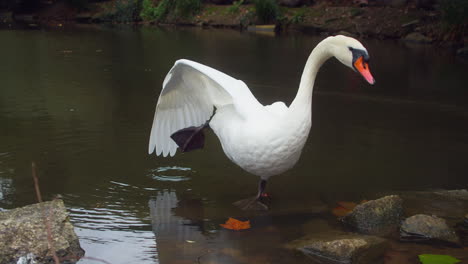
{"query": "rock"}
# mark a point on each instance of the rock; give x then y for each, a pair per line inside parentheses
(376, 217)
(262, 28)
(361, 3)
(425, 4)
(424, 228)
(346, 33)
(396, 3)
(449, 204)
(292, 3)
(221, 2)
(393, 3)
(411, 23)
(344, 248)
(6, 17)
(417, 37)
(24, 237)
(27, 19)
(83, 18)
(463, 52)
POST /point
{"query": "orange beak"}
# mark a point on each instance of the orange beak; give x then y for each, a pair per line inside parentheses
(363, 68)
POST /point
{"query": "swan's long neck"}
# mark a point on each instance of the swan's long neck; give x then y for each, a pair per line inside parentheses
(318, 56)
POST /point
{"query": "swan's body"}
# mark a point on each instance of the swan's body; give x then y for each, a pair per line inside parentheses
(263, 140)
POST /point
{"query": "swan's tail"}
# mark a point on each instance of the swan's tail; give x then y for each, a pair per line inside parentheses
(190, 138)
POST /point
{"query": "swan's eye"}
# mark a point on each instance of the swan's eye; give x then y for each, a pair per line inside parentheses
(359, 53)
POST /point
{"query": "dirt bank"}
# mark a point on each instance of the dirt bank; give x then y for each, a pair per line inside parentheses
(323, 17)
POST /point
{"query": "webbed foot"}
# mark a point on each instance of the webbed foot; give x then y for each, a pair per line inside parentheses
(251, 204)
(255, 203)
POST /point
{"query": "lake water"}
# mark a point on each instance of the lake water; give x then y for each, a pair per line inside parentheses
(80, 102)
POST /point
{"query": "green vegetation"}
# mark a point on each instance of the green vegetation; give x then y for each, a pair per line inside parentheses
(298, 16)
(437, 259)
(125, 11)
(267, 11)
(454, 12)
(247, 18)
(356, 12)
(235, 8)
(148, 11)
(172, 9)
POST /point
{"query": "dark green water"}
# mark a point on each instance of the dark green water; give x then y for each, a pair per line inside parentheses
(80, 102)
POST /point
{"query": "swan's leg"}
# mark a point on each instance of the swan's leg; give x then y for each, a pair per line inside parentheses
(190, 138)
(254, 203)
(261, 189)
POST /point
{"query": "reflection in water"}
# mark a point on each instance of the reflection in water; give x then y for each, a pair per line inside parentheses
(6, 188)
(185, 235)
(112, 230)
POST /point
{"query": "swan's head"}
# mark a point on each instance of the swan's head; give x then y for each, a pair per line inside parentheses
(352, 53)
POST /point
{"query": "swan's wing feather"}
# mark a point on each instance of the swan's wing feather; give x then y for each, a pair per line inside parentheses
(190, 91)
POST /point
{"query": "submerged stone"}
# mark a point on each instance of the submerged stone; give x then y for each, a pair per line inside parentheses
(427, 228)
(449, 204)
(342, 248)
(376, 217)
(25, 239)
(417, 38)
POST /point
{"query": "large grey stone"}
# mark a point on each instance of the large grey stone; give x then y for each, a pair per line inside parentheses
(376, 217)
(425, 227)
(24, 235)
(341, 248)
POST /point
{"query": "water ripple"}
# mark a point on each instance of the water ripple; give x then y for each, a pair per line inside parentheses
(170, 174)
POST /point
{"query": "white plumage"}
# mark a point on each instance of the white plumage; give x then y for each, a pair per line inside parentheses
(263, 140)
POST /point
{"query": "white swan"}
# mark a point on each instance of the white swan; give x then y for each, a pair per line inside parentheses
(263, 140)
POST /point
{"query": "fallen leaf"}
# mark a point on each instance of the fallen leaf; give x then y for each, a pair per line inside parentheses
(340, 211)
(345, 208)
(348, 205)
(235, 224)
(437, 259)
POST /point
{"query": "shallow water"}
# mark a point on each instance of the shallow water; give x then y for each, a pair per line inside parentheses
(80, 102)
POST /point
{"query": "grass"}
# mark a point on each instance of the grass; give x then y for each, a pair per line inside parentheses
(267, 11)
(235, 8)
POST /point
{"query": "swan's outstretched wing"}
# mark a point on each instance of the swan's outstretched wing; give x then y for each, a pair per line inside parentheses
(190, 91)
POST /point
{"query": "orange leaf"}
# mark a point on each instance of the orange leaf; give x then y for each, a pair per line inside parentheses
(340, 211)
(345, 208)
(348, 205)
(235, 224)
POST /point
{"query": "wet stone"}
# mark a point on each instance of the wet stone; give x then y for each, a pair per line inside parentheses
(376, 217)
(344, 248)
(449, 204)
(24, 237)
(427, 228)
(417, 37)
(463, 52)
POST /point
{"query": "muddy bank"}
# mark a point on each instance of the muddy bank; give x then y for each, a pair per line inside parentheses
(364, 19)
